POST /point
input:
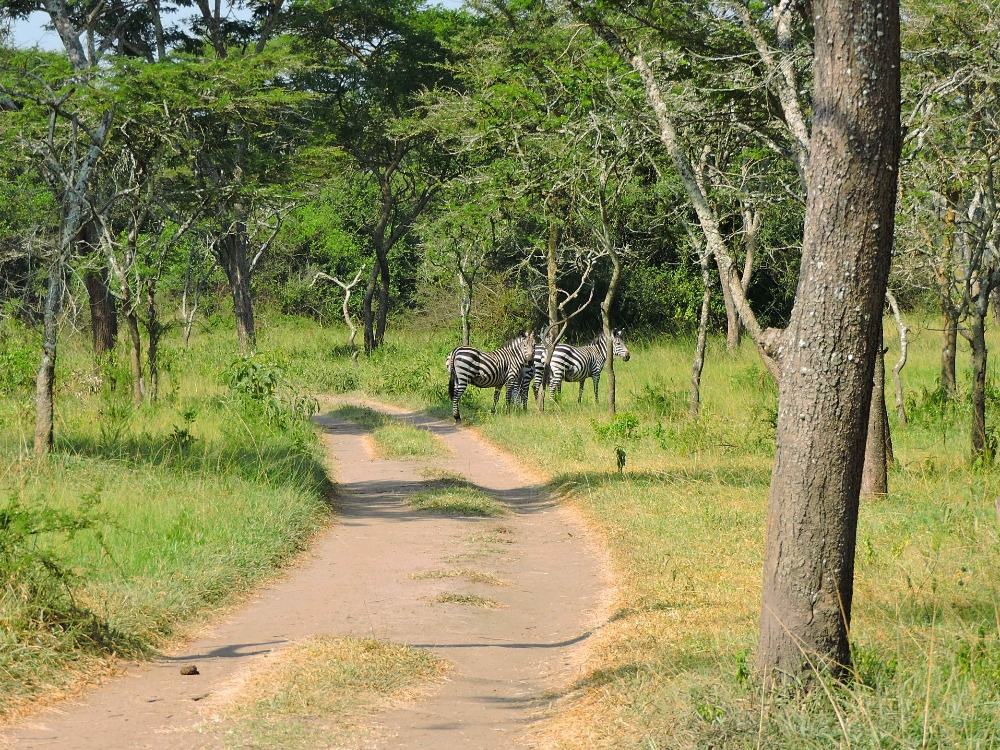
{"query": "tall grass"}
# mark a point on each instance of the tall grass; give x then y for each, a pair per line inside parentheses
(684, 522)
(188, 503)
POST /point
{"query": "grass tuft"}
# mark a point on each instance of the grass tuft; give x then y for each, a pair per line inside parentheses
(473, 576)
(469, 600)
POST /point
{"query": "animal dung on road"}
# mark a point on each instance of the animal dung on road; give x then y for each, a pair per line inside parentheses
(190, 669)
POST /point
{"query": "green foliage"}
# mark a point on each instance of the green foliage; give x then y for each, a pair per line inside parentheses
(19, 360)
(260, 387)
(623, 427)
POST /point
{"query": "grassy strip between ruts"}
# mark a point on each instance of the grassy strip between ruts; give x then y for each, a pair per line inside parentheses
(457, 498)
(320, 692)
(394, 438)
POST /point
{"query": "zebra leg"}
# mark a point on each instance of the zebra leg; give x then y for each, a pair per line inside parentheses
(496, 399)
(579, 399)
(597, 384)
(456, 397)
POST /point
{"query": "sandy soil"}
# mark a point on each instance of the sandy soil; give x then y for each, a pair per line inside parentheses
(358, 580)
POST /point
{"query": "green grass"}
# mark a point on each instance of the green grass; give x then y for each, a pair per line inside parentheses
(198, 498)
(318, 693)
(394, 438)
(456, 498)
(684, 525)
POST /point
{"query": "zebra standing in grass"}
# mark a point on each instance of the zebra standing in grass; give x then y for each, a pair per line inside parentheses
(468, 366)
(572, 364)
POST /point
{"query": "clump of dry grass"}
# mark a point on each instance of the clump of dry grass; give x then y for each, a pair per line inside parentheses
(473, 576)
(321, 691)
(469, 600)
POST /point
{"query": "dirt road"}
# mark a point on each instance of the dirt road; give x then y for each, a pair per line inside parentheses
(358, 580)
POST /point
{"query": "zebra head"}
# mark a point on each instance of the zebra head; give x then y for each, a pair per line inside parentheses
(524, 346)
(618, 344)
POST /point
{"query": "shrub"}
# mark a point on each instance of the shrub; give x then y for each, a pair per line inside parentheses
(623, 427)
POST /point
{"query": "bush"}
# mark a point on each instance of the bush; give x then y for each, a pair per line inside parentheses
(18, 362)
(623, 427)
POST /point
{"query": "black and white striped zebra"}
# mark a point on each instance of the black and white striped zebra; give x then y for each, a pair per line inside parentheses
(468, 366)
(572, 364)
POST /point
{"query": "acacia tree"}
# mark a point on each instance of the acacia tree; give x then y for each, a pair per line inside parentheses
(372, 62)
(956, 117)
(65, 142)
(457, 238)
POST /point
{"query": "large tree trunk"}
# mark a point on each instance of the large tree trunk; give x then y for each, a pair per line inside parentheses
(875, 475)
(949, 348)
(827, 353)
(45, 381)
(694, 406)
(977, 331)
(235, 261)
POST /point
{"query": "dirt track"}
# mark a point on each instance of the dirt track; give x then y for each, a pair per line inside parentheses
(358, 581)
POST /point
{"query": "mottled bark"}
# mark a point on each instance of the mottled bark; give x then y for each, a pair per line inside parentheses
(949, 348)
(609, 298)
(155, 329)
(904, 348)
(233, 252)
(465, 305)
(875, 475)
(551, 269)
(977, 338)
(103, 314)
(732, 317)
(827, 353)
(694, 407)
(45, 380)
(135, 353)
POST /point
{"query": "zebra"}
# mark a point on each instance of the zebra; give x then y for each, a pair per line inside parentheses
(467, 366)
(572, 364)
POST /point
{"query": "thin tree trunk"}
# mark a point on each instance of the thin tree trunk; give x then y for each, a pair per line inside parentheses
(383, 302)
(135, 353)
(949, 349)
(553, 299)
(45, 381)
(828, 350)
(699, 354)
(367, 308)
(874, 475)
(609, 298)
(732, 317)
(897, 369)
(235, 262)
(465, 306)
(154, 14)
(977, 330)
(155, 330)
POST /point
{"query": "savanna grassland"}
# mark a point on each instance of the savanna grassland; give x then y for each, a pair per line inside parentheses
(684, 523)
(177, 508)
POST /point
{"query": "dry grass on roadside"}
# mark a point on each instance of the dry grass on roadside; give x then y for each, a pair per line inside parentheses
(322, 692)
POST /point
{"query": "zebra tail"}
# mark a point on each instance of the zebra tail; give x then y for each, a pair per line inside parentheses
(451, 378)
(546, 375)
